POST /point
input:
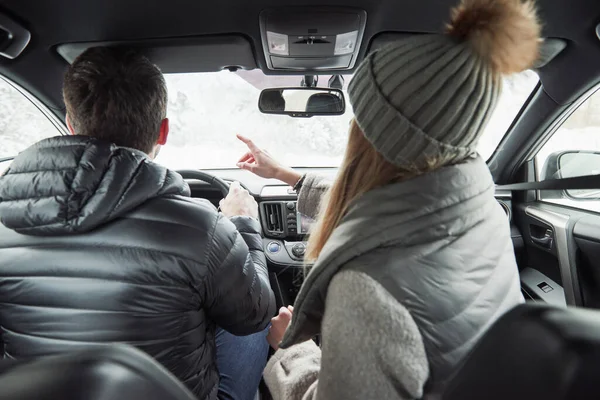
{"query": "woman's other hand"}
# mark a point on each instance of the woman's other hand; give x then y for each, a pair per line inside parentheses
(264, 165)
(279, 325)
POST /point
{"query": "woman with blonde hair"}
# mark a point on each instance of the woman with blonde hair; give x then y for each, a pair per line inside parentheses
(412, 254)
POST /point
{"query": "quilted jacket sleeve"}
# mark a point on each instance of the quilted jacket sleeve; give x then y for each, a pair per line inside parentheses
(311, 194)
(239, 298)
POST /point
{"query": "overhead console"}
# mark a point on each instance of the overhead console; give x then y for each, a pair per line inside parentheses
(312, 38)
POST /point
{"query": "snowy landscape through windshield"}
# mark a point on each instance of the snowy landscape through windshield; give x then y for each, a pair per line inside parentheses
(207, 110)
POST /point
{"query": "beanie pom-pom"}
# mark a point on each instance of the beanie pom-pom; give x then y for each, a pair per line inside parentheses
(505, 33)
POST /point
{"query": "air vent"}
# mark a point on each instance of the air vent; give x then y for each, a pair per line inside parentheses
(273, 218)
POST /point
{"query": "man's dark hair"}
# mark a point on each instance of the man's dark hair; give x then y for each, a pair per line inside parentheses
(116, 95)
(273, 100)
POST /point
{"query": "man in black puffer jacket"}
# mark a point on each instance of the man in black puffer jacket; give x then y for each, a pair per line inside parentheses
(100, 244)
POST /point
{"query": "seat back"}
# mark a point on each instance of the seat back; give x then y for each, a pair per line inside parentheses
(111, 372)
(534, 352)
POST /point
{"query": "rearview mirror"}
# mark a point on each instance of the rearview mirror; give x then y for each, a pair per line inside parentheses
(571, 164)
(302, 102)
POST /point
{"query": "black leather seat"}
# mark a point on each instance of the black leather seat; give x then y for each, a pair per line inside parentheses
(534, 352)
(115, 372)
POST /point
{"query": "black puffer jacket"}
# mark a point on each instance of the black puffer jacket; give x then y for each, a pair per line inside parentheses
(100, 244)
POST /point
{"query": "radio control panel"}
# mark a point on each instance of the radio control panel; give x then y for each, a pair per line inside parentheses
(284, 253)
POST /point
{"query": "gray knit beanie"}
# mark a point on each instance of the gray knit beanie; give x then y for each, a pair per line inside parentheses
(430, 96)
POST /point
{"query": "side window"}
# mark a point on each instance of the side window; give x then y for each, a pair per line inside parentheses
(4, 164)
(21, 123)
(573, 150)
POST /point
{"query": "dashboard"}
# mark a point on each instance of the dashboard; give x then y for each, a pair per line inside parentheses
(285, 229)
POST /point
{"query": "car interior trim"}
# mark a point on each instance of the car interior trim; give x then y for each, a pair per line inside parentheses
(506, 208)
(278, 192)
(208, 53)
(549, 49)
(538, 287)
(314, 51)
(560, 224)
(15, 37)
(282, 257)
(496, 162)
(586, 229)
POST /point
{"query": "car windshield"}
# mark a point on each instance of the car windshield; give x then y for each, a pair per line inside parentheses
(207, 110)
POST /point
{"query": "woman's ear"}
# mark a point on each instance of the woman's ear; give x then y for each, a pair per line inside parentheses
(164, 132)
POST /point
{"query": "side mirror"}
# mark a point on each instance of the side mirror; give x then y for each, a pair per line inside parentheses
(302, 102)
(571, 164)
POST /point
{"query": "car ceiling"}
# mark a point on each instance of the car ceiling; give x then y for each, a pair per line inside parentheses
(66, 21)
(51, 23)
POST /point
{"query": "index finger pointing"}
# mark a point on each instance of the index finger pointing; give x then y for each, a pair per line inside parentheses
(253, 148)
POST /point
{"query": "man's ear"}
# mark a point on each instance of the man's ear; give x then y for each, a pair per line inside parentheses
(69, 126)
(164, 132)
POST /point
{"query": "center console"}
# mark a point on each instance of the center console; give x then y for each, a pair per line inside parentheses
(285, 232)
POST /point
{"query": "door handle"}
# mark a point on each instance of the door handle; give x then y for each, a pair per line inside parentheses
(545, 241)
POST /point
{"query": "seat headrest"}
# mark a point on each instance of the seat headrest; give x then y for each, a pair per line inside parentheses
(105, 372)
(323, 102)
(534, 352)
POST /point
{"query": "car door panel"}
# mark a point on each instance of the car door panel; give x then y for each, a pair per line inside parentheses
(586, 233)
(537, 286)
(504, 198)
(563, 244)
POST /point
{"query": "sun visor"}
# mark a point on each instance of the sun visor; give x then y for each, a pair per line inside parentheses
(173, 55)
(549, 48)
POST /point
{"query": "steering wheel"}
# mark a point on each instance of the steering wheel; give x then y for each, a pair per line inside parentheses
(212, 180)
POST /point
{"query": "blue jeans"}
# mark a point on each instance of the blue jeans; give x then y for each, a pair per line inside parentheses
(241, 361)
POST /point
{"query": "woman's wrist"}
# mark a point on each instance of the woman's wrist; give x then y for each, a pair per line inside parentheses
(288, 176)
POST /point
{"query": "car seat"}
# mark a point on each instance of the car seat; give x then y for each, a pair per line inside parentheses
(533, 352)
(111, 372)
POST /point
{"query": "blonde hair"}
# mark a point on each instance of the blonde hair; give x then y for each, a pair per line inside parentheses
(363, 169)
